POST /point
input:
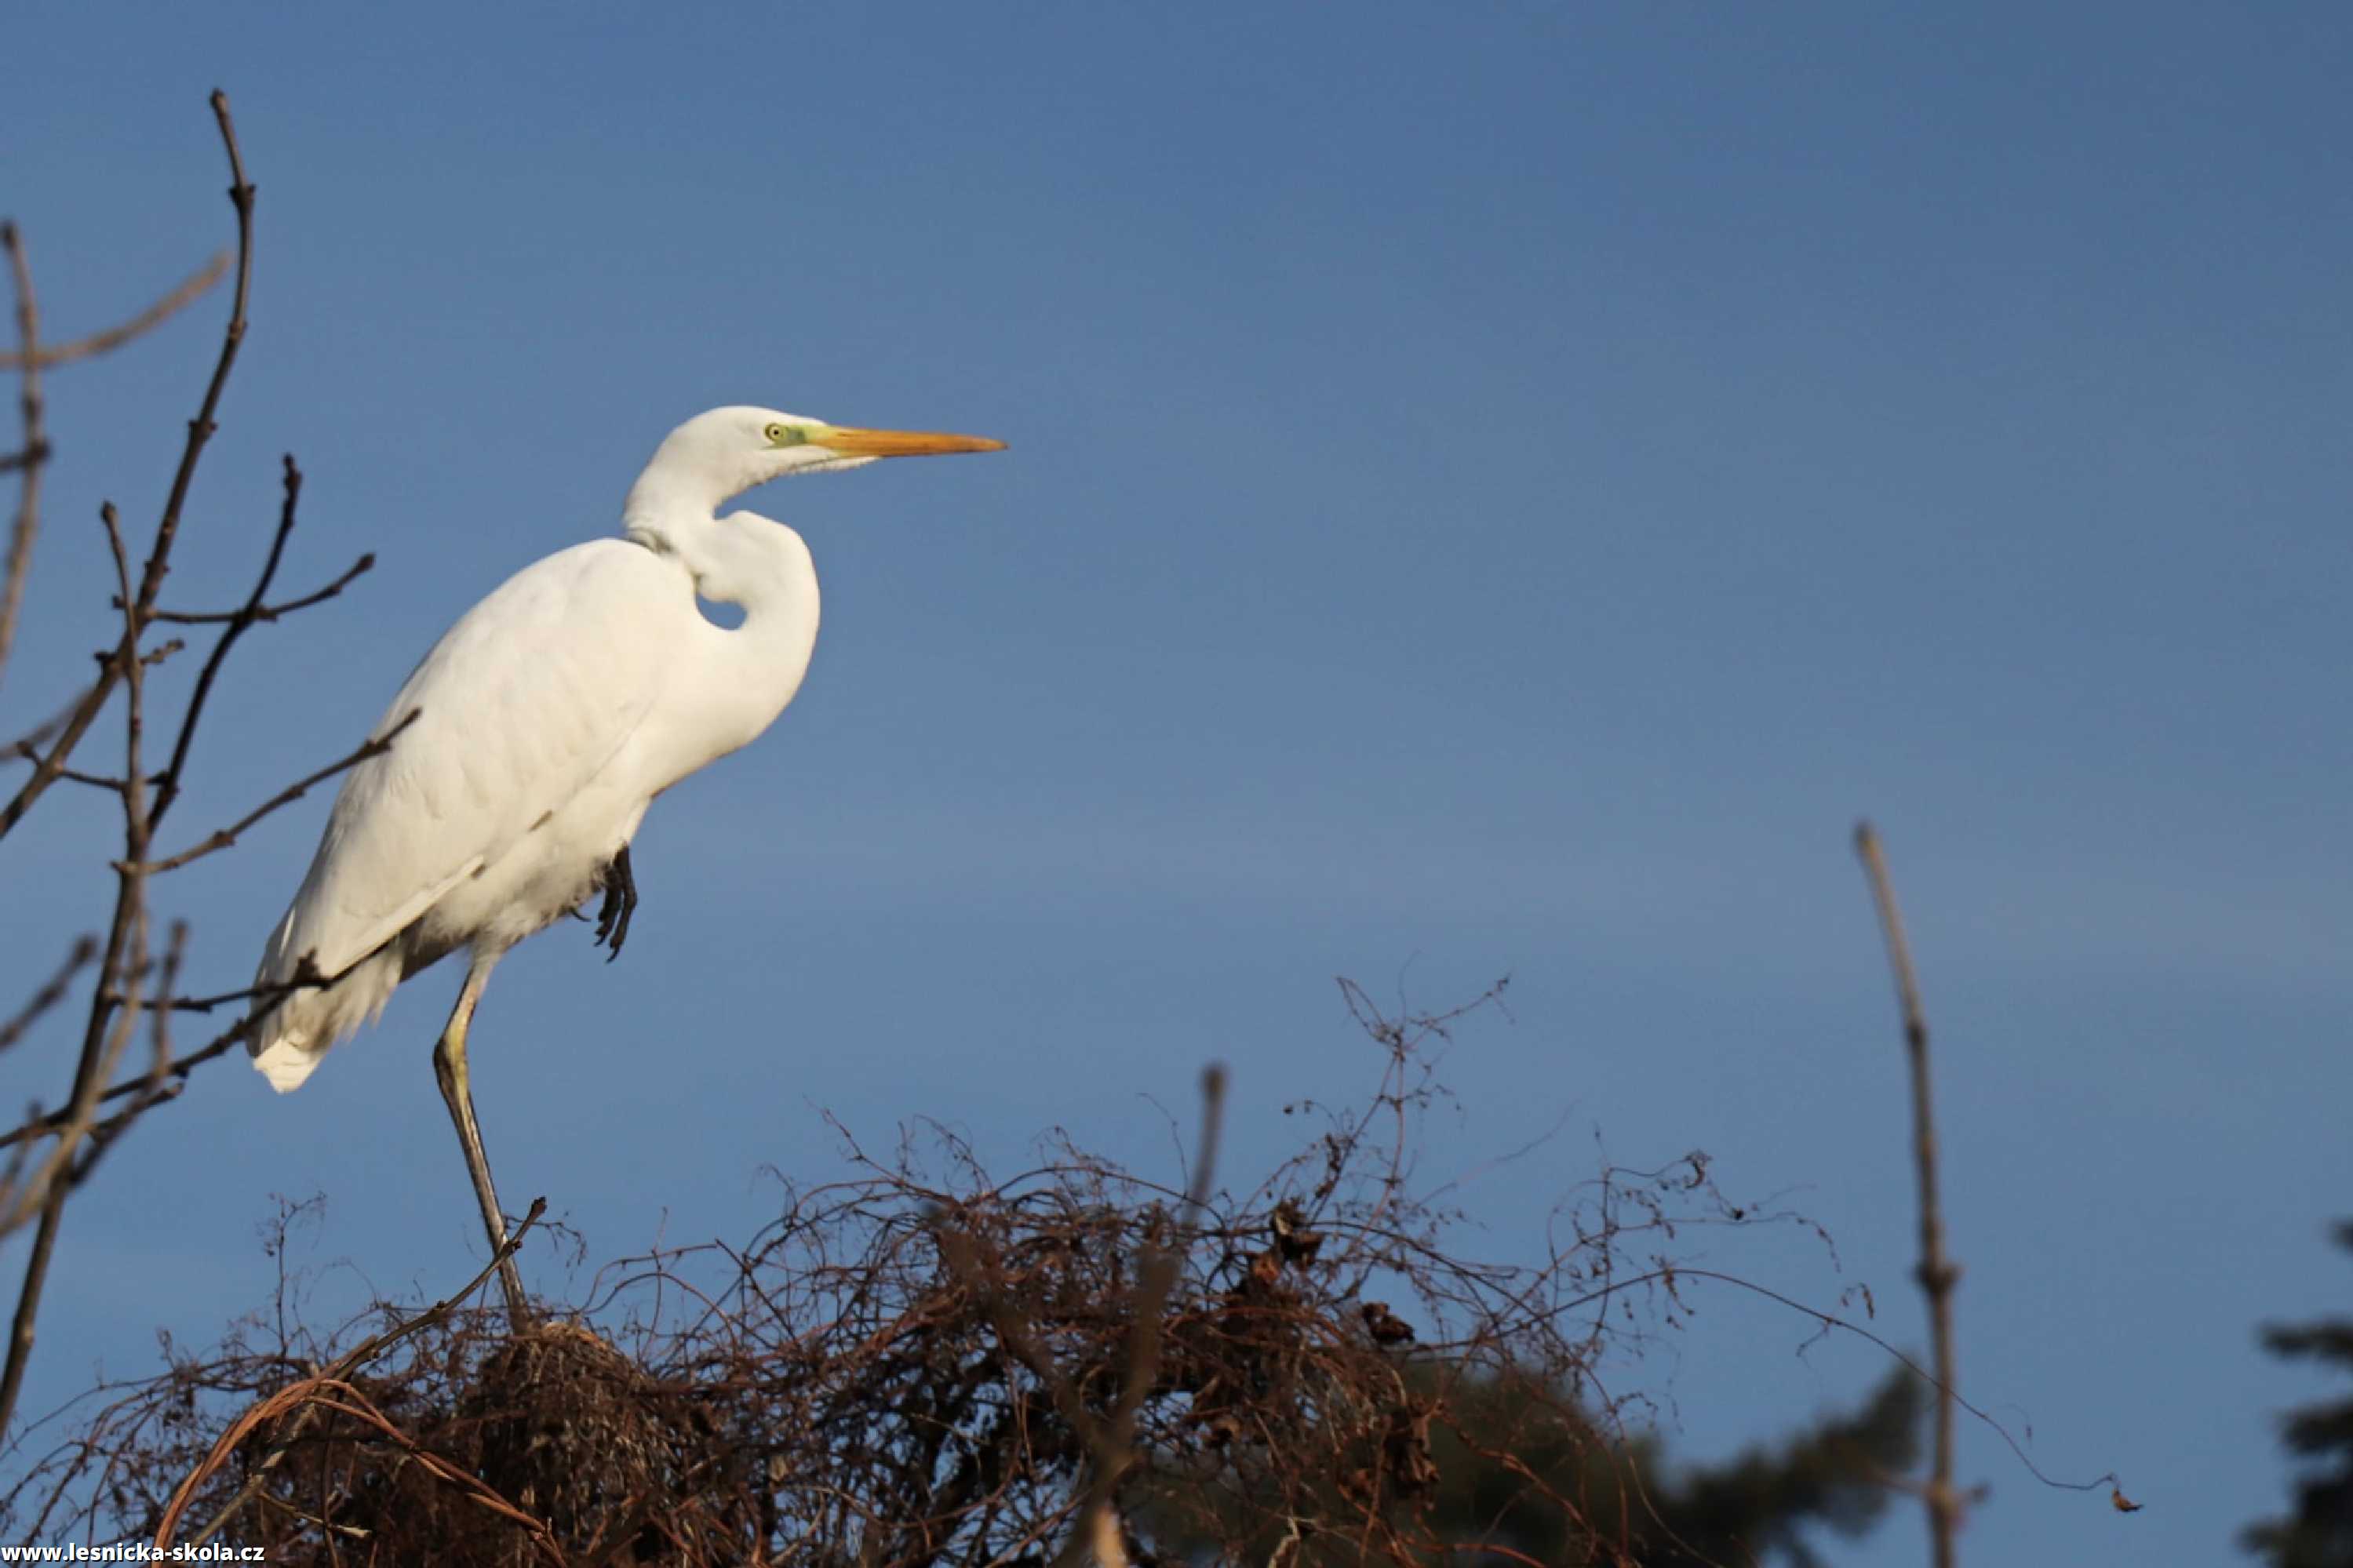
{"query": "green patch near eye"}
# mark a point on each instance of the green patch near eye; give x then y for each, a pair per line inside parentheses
(787, 436)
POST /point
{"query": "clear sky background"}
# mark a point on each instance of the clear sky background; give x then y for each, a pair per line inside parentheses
(1494, 488)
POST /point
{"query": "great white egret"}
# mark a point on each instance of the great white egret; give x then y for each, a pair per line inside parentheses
(544, 723)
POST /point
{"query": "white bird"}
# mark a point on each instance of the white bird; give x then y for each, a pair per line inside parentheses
(538, 731)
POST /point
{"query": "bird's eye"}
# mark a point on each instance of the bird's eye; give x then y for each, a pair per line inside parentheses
(785, 434)
(775, 433)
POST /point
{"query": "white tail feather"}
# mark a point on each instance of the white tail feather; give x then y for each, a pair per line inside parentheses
(286, 1064)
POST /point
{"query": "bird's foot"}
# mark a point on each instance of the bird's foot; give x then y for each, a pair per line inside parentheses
(621, 903)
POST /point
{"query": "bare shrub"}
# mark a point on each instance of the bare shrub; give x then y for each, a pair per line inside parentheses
(920, 1364)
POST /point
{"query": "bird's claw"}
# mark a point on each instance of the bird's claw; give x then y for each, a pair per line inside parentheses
(621, 903)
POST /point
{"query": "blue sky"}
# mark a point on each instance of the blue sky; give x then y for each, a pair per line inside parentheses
(1496, 488)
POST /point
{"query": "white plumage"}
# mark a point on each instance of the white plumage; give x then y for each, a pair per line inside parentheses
(547, 719)
(541, 737)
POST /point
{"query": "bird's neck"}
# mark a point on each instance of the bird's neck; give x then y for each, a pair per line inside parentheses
(659, 507)
(751, 670)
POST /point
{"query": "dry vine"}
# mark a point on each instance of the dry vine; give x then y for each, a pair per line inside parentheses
(927, 1364)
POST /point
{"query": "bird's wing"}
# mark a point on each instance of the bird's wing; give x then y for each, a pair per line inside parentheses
(519, 706)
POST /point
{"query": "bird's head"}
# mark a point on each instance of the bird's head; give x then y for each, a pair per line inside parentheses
(727, 451)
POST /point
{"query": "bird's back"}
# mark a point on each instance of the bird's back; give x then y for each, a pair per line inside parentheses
(518, 706)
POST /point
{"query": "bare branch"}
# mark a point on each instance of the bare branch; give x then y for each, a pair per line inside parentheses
(201, 428)
(95, 781)
(48, 767)
(1098, 1534)
(190, 289)
(26, 747)
(127, 969)
(36, 449)
(1936, 1273)
(110, 1027)
(200, 432)
(306, 978)
(176, 952)
(53, 992)
(273, 612)
(102, 1134)
(167, 788)
(69, 734)
(220, 1045)
(225, 836)
(113, 1019)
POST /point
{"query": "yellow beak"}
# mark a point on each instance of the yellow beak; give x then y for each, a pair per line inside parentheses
(854, 442)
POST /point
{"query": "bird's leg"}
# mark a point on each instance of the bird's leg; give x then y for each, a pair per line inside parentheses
(621, 903)
(449, 1067)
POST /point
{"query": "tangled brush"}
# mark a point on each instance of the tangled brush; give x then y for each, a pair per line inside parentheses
(920, 1364)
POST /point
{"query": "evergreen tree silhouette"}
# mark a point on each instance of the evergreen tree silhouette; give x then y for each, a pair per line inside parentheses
(2320, 1533)
(1517, 1466)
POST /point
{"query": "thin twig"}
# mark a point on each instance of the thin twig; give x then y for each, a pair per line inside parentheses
(219, 1045)
(1936, 1273)
(102, 1134)
(26, 747)
(36, 445)
(265, 612)
(187, 292)
(174, 952)
(167, 788)
(201, 428)
(200, 432)
(306, 977)
(225, 836)
(47, 768)
(1829, 1322)
(85, 948)
(223, 998)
